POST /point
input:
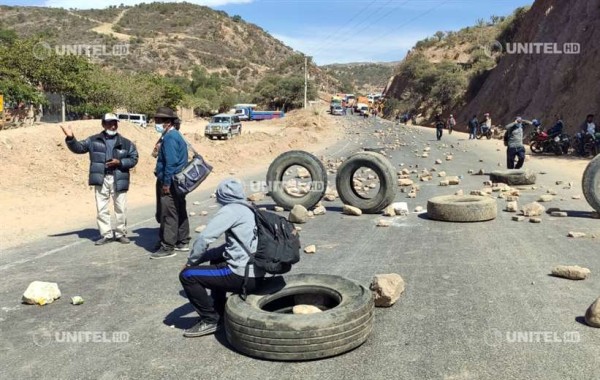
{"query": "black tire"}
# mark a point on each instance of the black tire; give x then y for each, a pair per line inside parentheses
(557, 149)
(277, 171)
(513, 177)
(462, 208)
(536, 147)
(590, 183)
(284, 336)
(488, 135)
(479, 136)
(387, 182)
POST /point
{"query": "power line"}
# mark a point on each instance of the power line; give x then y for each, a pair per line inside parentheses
(347, 23)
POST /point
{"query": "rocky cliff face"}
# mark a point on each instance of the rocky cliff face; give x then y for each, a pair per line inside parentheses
(541, 85)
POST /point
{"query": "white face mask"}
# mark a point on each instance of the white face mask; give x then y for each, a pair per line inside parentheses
(110, 132)
(159, 128)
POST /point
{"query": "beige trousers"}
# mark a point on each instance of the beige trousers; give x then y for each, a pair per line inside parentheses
(103, 195)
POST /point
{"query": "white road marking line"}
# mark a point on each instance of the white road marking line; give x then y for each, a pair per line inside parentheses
(74, 244)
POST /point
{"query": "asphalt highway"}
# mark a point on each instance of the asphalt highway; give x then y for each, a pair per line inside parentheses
(479, 302)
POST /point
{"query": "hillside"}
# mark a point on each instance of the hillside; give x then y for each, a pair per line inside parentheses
(441, 73)
(164, 38)
(540, 85)
(362, 77)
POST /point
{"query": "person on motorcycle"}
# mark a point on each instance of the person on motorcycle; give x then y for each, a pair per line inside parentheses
(586, 130)
(513, 140)
(557, 129)
(486, 125)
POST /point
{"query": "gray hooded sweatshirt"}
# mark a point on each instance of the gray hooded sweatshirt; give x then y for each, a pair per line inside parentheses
(231, 218)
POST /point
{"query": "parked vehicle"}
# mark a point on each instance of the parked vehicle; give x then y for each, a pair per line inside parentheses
(542, 143)
(484, 131)
(338, 110)
(589, 146)
(223, 126)
(362, 109)
(135, 118)
(249, 113)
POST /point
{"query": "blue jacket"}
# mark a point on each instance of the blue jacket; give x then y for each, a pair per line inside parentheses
(172, 156)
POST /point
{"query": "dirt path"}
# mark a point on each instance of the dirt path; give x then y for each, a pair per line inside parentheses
(45, 187)
(107, 28)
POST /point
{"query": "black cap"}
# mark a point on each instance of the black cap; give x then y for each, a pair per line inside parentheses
(165, 113)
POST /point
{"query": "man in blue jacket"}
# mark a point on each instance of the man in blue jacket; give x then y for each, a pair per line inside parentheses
(174, 233)
(228, 262)
(111, 158)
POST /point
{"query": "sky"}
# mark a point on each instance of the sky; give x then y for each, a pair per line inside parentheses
(336, 31)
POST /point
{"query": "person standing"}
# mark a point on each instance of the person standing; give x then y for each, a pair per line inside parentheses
(513, 140)
(174, 233)
(112, 156)
(451, 124)
(439, 126)
(473, 125)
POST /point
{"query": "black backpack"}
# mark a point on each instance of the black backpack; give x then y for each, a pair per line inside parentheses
(278, 245)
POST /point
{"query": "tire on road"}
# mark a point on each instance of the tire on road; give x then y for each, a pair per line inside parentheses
(462, 208)
(513, 177)
(387, 182)
(277, 171)
(263, 326)
(590, 183)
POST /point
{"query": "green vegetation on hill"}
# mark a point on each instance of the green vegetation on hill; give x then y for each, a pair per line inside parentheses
(178, 54)
(442, 72)
(361, 77)
(163, 38)
(25, 77)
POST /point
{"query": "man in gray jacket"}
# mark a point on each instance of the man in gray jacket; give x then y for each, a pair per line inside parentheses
(227, 262)
(513, 140)
(112, 156)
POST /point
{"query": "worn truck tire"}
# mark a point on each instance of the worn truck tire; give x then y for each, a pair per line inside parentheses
(513, 177)
(387, 182)
(462, 208)
(263, 326)
(277, 171)
(590, 183)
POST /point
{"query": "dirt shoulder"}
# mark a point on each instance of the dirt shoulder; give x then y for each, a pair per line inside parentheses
(44, 186)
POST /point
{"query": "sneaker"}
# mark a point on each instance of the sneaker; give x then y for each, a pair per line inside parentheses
(201, 328)
(163, 253)
(182, 247)
(103, 240)
(123, 240)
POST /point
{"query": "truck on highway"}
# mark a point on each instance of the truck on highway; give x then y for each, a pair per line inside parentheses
(248, 113)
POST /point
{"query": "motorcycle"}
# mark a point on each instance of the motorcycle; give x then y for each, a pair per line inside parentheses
(484, 131)
(589, 145)
(542, 143)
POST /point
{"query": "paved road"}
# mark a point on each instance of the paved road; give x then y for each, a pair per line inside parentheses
(470, 290)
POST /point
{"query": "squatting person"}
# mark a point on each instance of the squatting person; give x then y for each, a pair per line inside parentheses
(228, 262)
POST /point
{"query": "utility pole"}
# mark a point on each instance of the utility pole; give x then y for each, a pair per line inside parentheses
(305, 80)
(63, 107)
